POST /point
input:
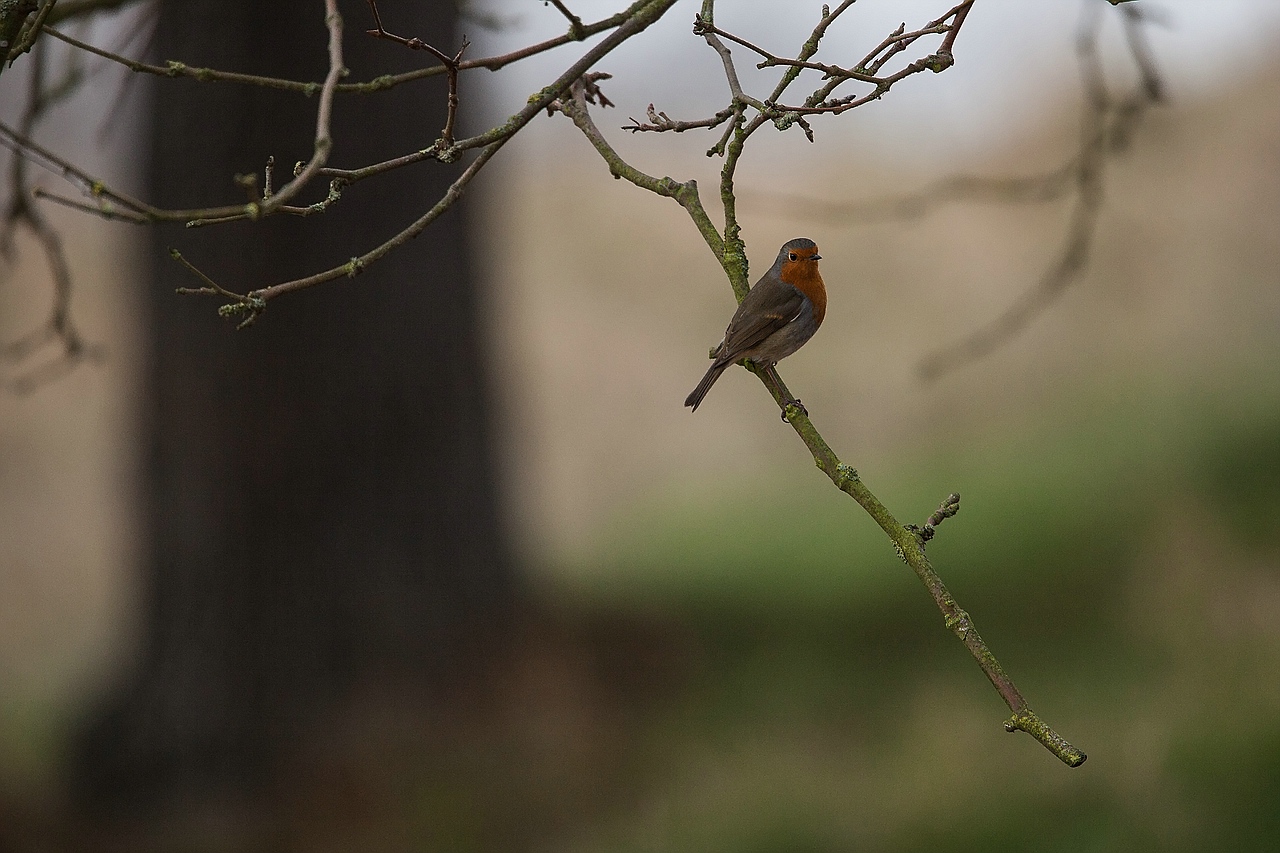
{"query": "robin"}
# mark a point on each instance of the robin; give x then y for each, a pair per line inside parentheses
(778, 315)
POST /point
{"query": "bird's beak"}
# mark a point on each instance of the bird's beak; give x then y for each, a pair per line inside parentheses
(815, 257)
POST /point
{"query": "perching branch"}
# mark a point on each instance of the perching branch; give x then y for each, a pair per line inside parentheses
(728, 249)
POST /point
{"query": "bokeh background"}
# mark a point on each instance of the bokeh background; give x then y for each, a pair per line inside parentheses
(732, 658)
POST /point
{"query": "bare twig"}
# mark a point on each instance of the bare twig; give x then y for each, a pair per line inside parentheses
(660, 121)
(450, 64)
(708, 31)
(945, 510)
(20, 143)
(785, 116)
(324, 113)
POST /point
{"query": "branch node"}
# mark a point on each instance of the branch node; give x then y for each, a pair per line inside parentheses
(784, 121)
(958, 623)
(945, 510)
(845, 474)
(444, 152)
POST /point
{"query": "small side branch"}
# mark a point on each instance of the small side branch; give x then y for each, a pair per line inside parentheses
(945, 510)
(323, 143)
(450, 63)
(239, 305)
(660, 122)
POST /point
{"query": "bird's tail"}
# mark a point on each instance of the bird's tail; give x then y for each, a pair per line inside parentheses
(713, 373)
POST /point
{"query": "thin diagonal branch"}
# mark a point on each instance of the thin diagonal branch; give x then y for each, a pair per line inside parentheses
(324, 112)
(910, 549)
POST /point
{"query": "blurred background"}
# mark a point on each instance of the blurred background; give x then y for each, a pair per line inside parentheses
(702, 645)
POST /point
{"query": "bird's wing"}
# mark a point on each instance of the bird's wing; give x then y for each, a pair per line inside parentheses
(765, 310)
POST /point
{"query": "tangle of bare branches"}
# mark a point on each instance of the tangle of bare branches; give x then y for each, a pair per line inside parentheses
(900, 54)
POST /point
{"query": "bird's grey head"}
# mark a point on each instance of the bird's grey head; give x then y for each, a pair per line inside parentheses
(801, 248)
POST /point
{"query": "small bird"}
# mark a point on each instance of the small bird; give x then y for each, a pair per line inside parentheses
(778, 315)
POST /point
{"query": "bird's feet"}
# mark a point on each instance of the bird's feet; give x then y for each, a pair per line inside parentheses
(799, 407)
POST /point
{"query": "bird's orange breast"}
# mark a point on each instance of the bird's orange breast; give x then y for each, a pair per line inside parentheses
(803, 275)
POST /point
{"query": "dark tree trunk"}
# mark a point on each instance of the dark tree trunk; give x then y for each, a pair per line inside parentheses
(319, 487)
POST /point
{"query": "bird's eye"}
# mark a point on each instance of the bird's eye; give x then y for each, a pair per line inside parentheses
(791, 256)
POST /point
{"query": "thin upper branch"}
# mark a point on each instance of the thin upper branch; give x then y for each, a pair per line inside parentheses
(174, 68)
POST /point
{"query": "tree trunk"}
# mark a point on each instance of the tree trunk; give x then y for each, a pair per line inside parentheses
(319, 487)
